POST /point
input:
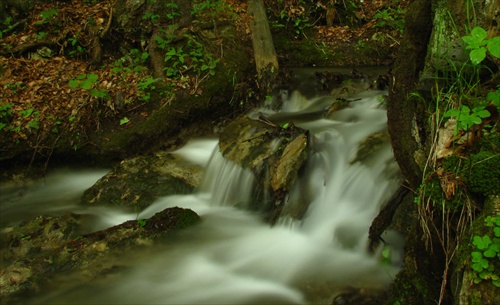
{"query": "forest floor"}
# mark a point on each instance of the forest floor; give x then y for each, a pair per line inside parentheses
(50, 83)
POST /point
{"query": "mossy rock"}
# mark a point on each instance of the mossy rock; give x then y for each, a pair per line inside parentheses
(138, 181)
(274, 153)
(44, 252)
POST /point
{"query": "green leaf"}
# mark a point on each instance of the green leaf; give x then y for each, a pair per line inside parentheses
(74, 83)
(478, 33)
(478, 267)
(482, 243)
(92, 77)
(86, 84)
(495, 98)
(485, 275)
(476, 256)
(484, 263)
(494, 46)
(471, 43)
(496, 283)
(453, 113)
(33, 125)
(497, 231)
(477, 56)
(123, 121)
(481, 112)
(490, 253)
(141, 222)
(27, 112)
(171, 52)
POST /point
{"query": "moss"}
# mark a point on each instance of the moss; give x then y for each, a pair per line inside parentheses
(478, 171)
(134, 183)
(482, 176)
(490, 142)
(306, 52)
(409, 289)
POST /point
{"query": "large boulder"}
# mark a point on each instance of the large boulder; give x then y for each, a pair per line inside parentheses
(265, 147)
(137, 182)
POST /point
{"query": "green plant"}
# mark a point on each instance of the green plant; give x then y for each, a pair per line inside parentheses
(41, 35)
(138, 57)
(28, 113)
(84, 81)
(5, 26)
(146, 85)
(152, 17)
(119, 69)
(172, 10)
(478, 44)
(13, 87)
(56, 123)
(190, 56)
(465, 118)
(209, 8)
(124, 121)
(360, 45)
(47, 16)
(76, 48)
(176, 57)
(494, 97)
(486, 254)
(294, 17)
(87, 82)
(141, 222)
(5, 115)
(390, 17)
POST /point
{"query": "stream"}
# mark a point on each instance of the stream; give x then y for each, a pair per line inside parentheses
(232, 256)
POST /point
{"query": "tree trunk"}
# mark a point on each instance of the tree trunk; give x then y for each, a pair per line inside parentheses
(405, 124)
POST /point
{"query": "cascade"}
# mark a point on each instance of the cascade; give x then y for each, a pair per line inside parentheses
(233, 257)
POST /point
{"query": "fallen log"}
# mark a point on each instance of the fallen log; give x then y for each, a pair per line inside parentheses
(263, 45)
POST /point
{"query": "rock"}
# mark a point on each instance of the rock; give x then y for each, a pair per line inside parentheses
(359, 297)
(265, 147)
(284, 172)
(370, 145)
(139, 181)
(34, 253)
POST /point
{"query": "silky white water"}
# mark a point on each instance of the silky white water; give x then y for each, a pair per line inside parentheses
(233, 257)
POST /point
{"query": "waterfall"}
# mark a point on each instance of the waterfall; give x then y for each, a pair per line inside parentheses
(233, 257)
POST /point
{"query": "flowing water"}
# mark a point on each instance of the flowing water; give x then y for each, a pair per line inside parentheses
(233, 257)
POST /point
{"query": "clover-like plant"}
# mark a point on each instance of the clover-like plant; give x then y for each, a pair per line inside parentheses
(478, 44)
(465, 118)
(487, 254)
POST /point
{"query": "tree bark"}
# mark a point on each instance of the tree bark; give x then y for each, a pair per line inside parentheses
(406, 127)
